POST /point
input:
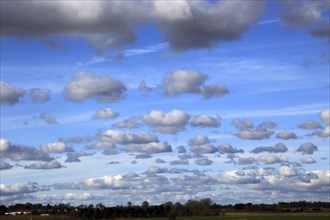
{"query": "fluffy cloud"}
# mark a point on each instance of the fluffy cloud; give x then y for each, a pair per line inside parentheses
(74, 156)
(271, 159)
(267, 125)
(150, 148)
(203, 162)
(307, 160)
(228, 149)
(244, 123)
(110, 24)
(103, 88)
(323, 133)
(246, 161)
(57, 147)
(307, 148)
(44, 166)
(205, 121)
(200, 24)
(10, 94)
(22, 152)
(199, 140)
(310, 124)
(287, 170)
(167, 122)
(105, 113)
(238, 177)
(126, 137)
(185, 81)
(14, 189)
(286, 135)
(257, 134)
(38, 95)
(325, 116)
(307, 15)
(204, 149)
(128, 123)
(278, 148)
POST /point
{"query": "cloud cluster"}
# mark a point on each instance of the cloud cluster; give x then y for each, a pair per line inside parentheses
(102, 88)
(56, 147)
(185, 81)
(185, 24)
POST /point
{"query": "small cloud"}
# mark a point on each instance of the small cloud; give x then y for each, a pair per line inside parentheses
(244, 123)
(203, 162)
(204, 120)
(144, 88)
(38, 95)
(181, 149)
(278, 148)
(228, 149)
(307, 160)
(9, 94)
(310, 124)
(44, 116)
(286, 135)
(271, 159)
(105, 114)
(143, 156)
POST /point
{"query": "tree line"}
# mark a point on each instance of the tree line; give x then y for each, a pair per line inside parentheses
(203, 207)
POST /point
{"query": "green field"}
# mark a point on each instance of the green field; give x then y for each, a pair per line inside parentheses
(324, 216)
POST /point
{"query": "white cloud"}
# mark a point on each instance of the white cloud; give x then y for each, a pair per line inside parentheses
(325, 116)
(204, 120)
(14, 189)
(167, 122)
(310, 124)
(244, 123)
(105, 113)
(307, 160)
(126, 137)
(286, 135)
(199, 140)
(238, 177)
(44, 166)
(150, 148)
(10, 94)
(257, 134)
(86, 85)
(271, 159)
(56, 147)
(287, 171)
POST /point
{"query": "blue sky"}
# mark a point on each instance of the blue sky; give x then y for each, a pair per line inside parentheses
(111, 101)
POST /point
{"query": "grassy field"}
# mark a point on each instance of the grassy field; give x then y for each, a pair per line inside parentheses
(229, 216)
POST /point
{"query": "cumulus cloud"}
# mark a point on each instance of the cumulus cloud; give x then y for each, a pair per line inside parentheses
(185, 81)
(323, 133)
(22, 152)
(286, 135)
(287, 170)
(267, 125)
(199, 140)
(150, 148)
(181, 149)
(244, 123)
(4, 165)
(307, 15)
(246, 161)
(204, 149)
(204, 120)
(278, 148)
(310, 124)
(57, 147)
(271, 159)
(228, 149)
(325, 116)
(44, 166)
(257, 134)
(126, 137)
(128, 123)
(307, 160)
(39, 96)
(74, 156)
(154, 170)
(44, 116)
(9, 94)
(200, 24)
(110, 24)
(102, 88)
(15, 189)
(167, 122)
(238, 177)
(203, 162)
(105, 113)
(307, 148)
